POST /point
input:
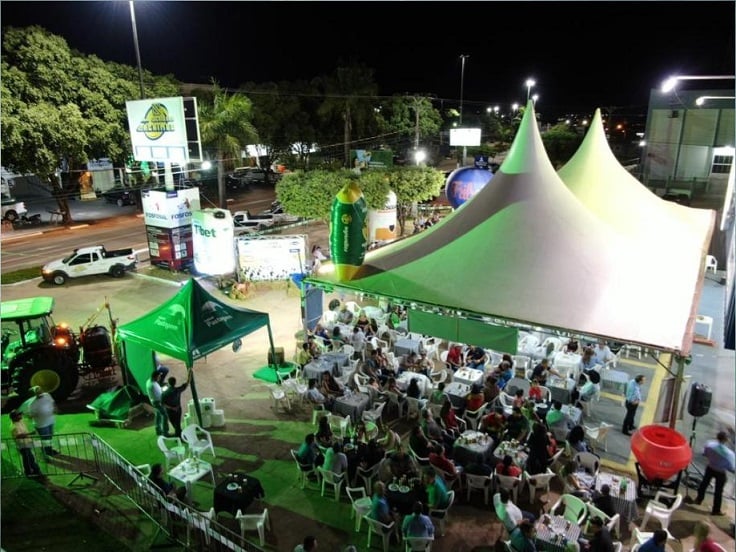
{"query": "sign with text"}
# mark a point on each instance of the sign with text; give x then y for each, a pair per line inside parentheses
(212, 241)
(169, 209)
(465, 137)
(271, 257)
(158, 129)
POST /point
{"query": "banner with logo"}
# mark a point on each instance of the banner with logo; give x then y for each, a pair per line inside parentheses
(158, 129)
(169, 209)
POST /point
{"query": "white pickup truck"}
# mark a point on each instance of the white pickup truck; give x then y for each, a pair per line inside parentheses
(86, 261)
(265, 219)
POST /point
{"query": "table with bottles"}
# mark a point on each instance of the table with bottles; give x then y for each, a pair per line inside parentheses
(623, 494)
(473, 447)
(192, 470)
(555, 532)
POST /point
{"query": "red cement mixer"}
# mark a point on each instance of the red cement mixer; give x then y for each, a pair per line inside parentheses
(661, 452)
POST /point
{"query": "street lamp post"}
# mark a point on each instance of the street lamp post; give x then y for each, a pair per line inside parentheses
(463, 57)
(137, 49)
(529, 83)
(670, 83)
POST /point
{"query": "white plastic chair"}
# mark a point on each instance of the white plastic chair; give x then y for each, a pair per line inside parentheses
(598, 436)
(331, 478)
(414, 407)
(509, 483)
(381, 529)
(588, 461)
(279, 397)
(538, 481)
(340, 424)
(374, 414)
(657, 509)
(366, 475)
(361, 504)
(254, 522)
(418, 544)
(478, 483)
(711, 263)
(197, 439)
(473, 417)
(439, 515)
(348, 350)
(173, 449)
(303, 470)
(200, 521)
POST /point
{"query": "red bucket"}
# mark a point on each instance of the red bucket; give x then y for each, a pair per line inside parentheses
(660, 451)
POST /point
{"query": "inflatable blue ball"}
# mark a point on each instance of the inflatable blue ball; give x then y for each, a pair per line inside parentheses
(464, 183)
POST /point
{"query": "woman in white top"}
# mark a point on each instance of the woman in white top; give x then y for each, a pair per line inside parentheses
(317, 257)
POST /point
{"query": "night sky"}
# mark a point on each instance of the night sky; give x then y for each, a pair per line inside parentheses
(583, 55)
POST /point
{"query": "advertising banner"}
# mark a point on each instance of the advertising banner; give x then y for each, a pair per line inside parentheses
(170, 247)
(371, 159)
(158, 129)
(271, 257)
(212, 241)
(169, 209)
(465, 137)
(382, 222)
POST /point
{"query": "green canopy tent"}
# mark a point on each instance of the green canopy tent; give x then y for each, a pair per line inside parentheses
(189, 326)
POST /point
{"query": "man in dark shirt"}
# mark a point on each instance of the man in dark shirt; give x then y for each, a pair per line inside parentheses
(601, 540)
(604, 502)
(171, 399)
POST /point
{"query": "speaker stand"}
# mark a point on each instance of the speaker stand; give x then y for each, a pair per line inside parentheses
(689, 481)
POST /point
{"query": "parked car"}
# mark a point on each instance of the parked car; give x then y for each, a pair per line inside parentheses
(242, 177)
(120, 196)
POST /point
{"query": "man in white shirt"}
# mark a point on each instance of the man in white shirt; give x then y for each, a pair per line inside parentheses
(357, 340)
(602, 353)
(154, 392)
(508, 512)
(42, 410)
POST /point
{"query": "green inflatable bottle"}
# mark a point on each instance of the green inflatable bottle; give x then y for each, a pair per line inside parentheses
(348, 231)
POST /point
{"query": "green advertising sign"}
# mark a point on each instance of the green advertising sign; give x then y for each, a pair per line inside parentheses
(367, 159)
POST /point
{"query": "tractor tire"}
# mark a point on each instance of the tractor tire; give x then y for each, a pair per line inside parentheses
(117, 271)
(51, 369)
(58, 278)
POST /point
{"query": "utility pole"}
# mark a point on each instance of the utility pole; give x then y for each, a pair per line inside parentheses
(463, 57)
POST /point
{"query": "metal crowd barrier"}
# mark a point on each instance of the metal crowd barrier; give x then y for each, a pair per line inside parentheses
(125, 489)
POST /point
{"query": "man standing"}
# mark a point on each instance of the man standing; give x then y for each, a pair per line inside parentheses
(23, 441)
(42, 410)
(171, 399)
(720, 460)
(633, 398)
(154, 392)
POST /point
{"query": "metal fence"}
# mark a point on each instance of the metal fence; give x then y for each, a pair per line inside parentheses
(148, 516)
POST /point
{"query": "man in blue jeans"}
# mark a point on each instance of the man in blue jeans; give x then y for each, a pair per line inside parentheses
(42, 410)
(720, 460)
(154, 392)
(633, 398)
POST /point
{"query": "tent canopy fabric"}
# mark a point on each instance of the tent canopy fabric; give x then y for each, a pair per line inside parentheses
(525, 250)
(190, 325)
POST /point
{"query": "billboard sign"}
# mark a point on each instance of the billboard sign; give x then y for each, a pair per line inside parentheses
(371, 159)
(465, 137)
(158, 129)
(271, 257)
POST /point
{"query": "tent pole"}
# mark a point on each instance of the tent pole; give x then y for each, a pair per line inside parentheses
(679, 378)
(272, 356)
(195, 398)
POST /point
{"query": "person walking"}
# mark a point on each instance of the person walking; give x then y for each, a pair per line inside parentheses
(171, 399)
(720, 460)
(154, 392)
(42, 411)
(633, 398)
(418, 524)
(22, 436)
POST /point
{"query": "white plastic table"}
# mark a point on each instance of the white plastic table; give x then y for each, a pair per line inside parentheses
(468, 376)
(190, 471)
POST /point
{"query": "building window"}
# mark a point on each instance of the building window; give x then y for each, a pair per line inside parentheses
(721, 164)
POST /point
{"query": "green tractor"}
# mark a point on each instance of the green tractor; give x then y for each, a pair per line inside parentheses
(37, 351)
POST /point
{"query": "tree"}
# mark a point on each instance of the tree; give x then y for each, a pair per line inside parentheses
(310, 194)
(561, 142)
(410, 116)
(60, 105)
(349, 96)
(225, 126)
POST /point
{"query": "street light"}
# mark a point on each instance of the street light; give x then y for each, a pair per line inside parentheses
(529, 83)
(463, 57)
(535, 97)
(137, 50)
(670, 83)
(701, 99)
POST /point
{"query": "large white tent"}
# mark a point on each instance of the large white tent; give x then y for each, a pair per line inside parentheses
(526, 250)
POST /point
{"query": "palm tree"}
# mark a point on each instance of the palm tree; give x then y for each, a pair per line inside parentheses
(225, 126)
(349, 95)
